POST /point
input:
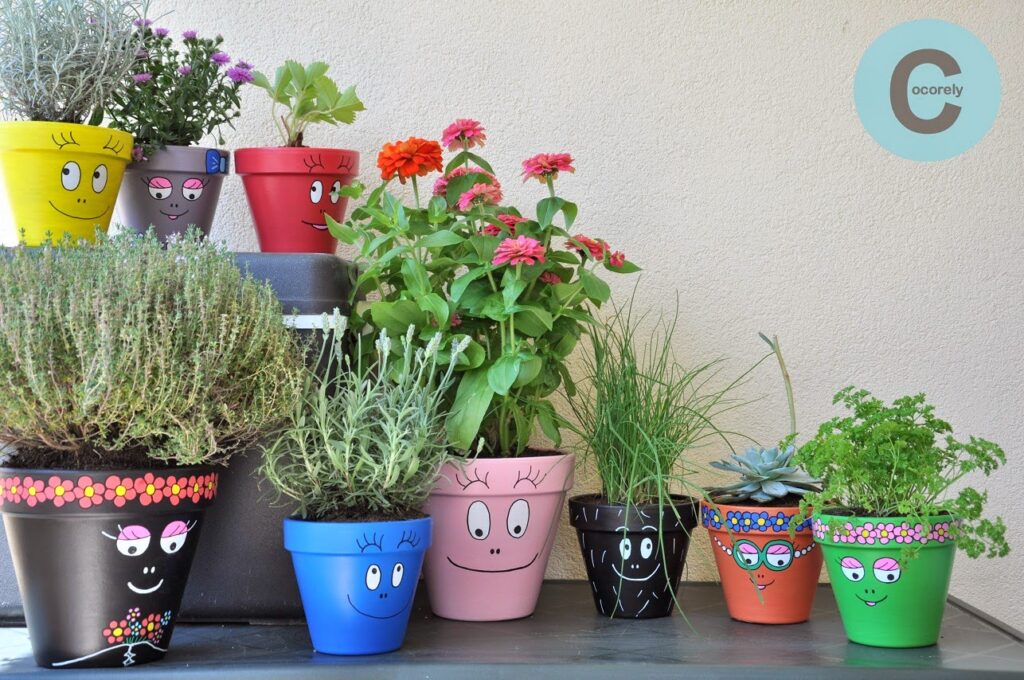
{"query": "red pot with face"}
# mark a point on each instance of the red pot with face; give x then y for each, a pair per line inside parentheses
(292, 191)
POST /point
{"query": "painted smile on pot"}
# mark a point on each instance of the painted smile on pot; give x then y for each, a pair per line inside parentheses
(172, 216)
(76, 217)
(144, 591)
(871, 603)
(389, 616)
(494, 571)
(627, 578)
(762, 586)
(318, 227)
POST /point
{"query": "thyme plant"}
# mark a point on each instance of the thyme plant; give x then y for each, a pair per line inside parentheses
(901, 460)
(122, 352)
(61, 59)
(358, 444)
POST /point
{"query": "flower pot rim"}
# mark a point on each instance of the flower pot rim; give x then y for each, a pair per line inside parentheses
(125, 138)
(551, 463)
(636, 519)
(325, 538)
(92, 472)
(915, 535)
(847, 514)
(260, 160)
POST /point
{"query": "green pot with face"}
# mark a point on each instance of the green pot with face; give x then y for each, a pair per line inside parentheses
(884, 599)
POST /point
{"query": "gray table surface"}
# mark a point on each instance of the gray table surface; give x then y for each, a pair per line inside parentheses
(567, 639)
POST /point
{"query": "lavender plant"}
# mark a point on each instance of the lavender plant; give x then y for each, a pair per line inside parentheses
(177, 96)
(359, 444)
(123, 353)
(60, 60)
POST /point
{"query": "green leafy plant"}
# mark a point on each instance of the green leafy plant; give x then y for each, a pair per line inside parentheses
(640, 413)
(516, 288)
(768, 475)
(61, 59)
(178, 96)
(901, 460)
(124, 353)
(359, 444)
(308, 96)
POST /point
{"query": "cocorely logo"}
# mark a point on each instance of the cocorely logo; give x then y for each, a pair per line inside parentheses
(927, 90)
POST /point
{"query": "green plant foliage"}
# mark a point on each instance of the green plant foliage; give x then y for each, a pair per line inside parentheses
(308, 96)
(433, 267)
(767, 475)
(360, 444)
(188, 94)
(61, 59)
(123, 352)
(640, 413)
(901, 460)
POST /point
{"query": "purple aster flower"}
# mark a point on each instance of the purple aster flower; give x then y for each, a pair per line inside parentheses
(244, 64)
(161, 32)
(184, 69)
(137, 154)
(240, 75)
(142, 54)
(142, 77)
(189, 35)
(142, 23)
(220, 58)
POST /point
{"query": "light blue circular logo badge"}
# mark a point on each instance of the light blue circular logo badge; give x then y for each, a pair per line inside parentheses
(927, 90)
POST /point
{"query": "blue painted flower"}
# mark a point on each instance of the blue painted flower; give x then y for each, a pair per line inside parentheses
(780, 522)
(734, 520)
(803, 525)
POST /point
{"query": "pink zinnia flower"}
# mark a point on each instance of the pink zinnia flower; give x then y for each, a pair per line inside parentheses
(510, 222)
(617, 259)
(239, 75)
(463, 130)
(189, 35)
(142, 77)
(545, 165)
(521, 250)
(595, 247)
(220, 58)
(480, 194)
(441, 185)
(550, 277)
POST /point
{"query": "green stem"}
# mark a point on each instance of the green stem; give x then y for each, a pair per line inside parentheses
(465, 148)
(551, 186)
(416, 191)
(774, 343)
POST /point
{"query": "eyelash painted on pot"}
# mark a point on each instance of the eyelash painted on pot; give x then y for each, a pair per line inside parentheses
(313, 162)
(531, 476)
(345, 163)
(470, 481)
(367, 542)
(65, 140)
(410, 538)
(110, 145)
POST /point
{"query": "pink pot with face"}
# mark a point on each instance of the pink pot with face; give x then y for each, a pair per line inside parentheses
(494, 524)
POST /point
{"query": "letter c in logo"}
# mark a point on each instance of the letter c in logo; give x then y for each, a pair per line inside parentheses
(898, 92)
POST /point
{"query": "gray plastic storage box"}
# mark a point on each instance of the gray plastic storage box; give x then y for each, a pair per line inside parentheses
(241, 570)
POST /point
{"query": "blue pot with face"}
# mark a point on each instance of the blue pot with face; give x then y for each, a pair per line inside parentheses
(357, 580)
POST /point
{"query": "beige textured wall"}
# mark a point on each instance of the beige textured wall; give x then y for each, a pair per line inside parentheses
(717, 144)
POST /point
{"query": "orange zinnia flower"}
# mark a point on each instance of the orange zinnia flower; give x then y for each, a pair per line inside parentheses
(414, 156)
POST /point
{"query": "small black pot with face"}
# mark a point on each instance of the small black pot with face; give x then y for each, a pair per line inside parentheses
(634, 556)
(102, 558)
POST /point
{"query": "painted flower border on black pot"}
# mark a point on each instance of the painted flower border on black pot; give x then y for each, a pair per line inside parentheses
(102, 558)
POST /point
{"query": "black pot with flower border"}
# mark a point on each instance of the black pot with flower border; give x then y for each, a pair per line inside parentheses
(102, 558)
(634, 555)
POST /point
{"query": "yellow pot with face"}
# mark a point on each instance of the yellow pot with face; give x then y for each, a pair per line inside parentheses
(60, 178)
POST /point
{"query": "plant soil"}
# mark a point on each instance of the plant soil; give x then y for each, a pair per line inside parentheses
(83, 459)
(787, 501)
(489, 452)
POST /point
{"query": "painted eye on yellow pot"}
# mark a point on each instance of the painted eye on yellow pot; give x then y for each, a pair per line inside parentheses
(99, 178)
(70, 175)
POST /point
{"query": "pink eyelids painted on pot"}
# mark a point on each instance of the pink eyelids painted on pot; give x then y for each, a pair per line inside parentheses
(494, 525)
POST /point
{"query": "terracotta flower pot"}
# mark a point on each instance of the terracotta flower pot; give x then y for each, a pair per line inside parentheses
(291, 191)
(634, 556)
(176, 187)
(884, 600)
(102, 558)
(60, 178)
(494, 524)
(767, 575)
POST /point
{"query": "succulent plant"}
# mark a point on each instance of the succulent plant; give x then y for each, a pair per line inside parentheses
(765, 475)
